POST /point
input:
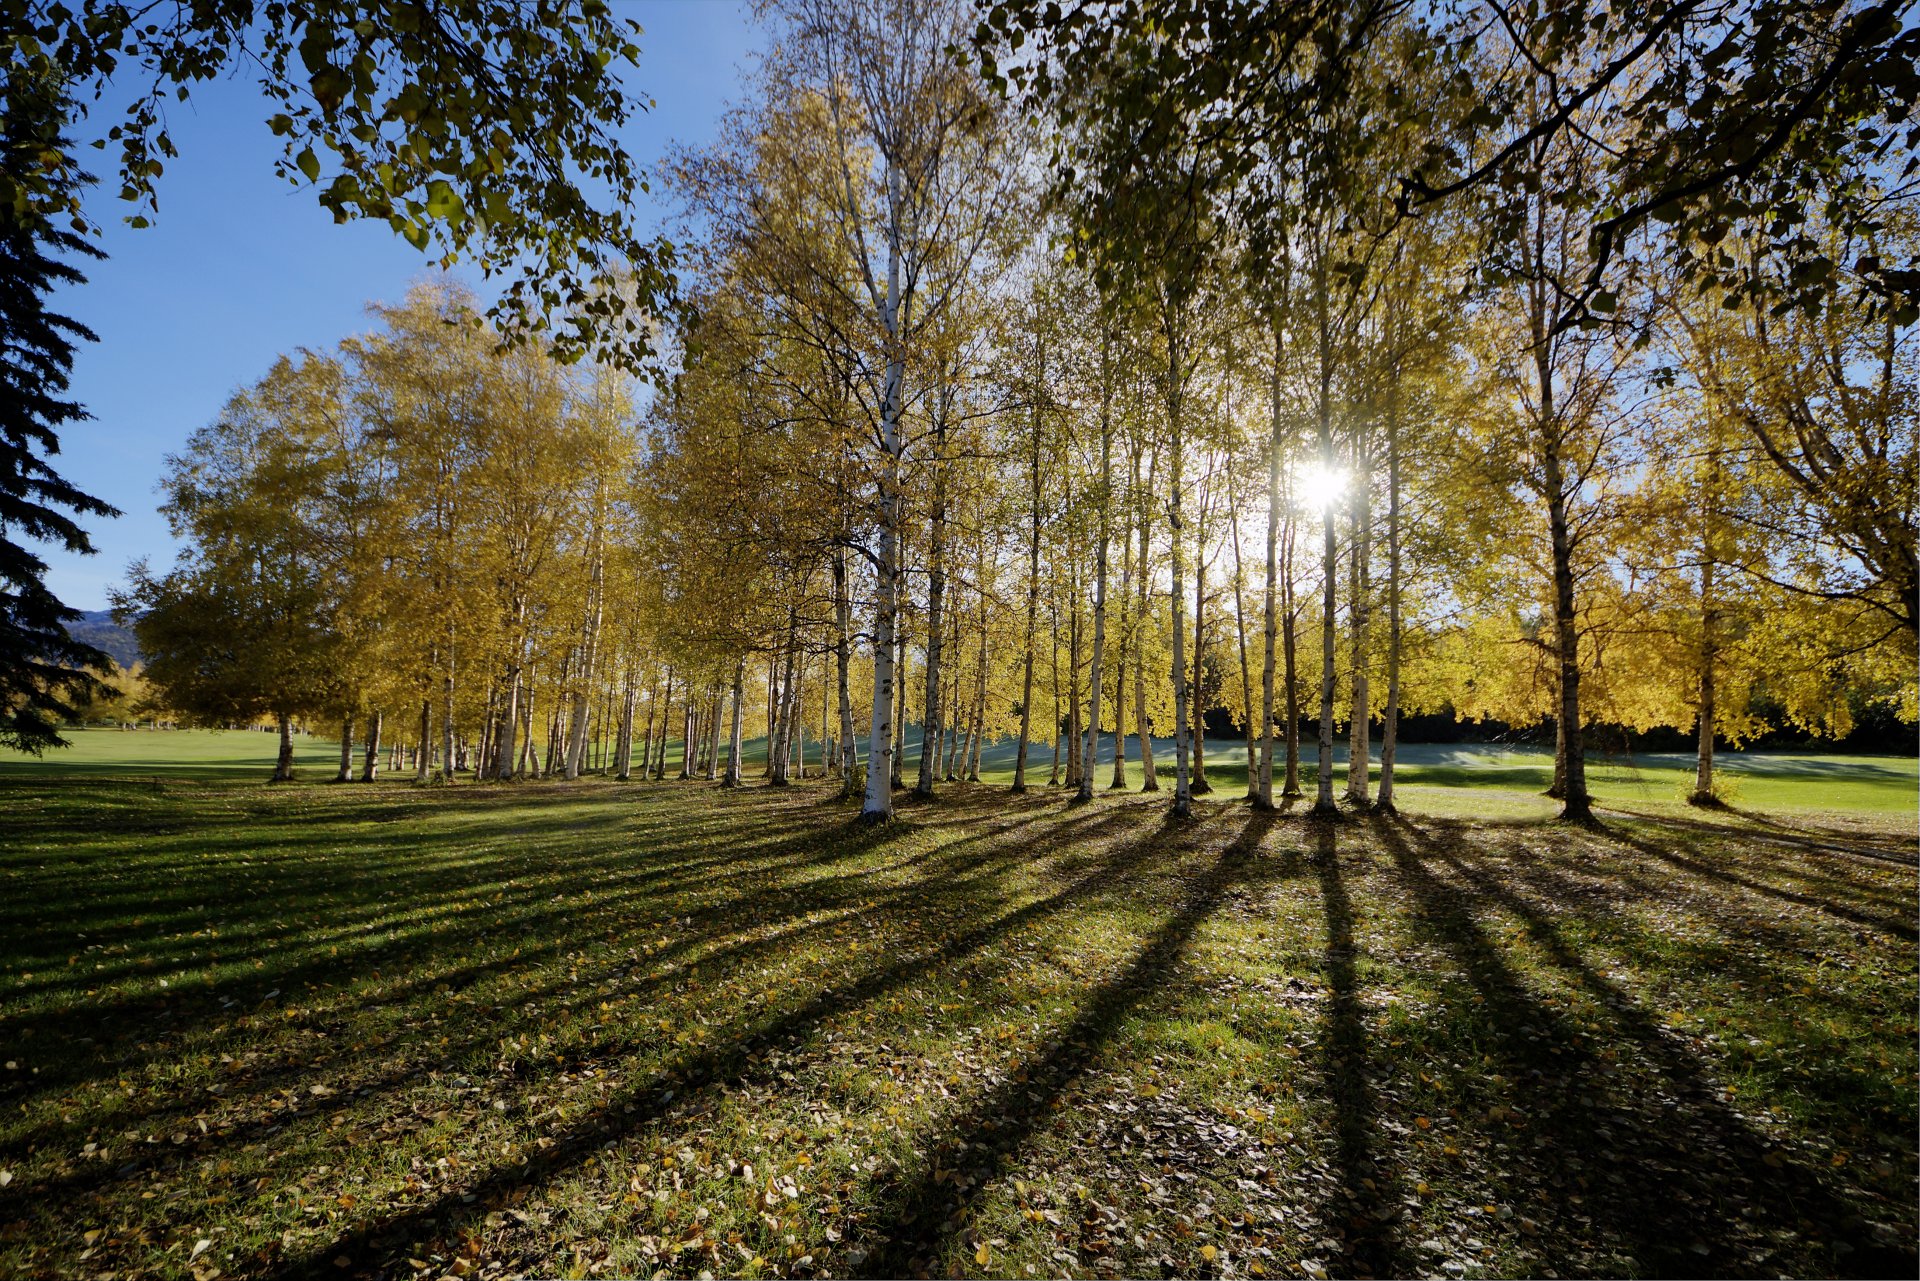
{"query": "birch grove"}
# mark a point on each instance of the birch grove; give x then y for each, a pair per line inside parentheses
(997, 450)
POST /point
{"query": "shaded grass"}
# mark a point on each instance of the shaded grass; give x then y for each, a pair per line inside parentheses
(581, 1029)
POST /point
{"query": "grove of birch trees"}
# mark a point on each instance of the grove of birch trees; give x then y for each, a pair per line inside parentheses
(1028, 391)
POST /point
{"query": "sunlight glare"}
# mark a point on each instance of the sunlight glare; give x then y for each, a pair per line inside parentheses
(1318, 489)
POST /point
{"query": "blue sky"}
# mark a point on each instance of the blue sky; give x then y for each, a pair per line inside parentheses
(241, 267)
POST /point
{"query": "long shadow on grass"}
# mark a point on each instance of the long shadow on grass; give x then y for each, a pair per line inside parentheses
(697, 1071)
(1664, 1170)
(913, 1218)
(1370, 1246)
(748, 907)
(1898, 927)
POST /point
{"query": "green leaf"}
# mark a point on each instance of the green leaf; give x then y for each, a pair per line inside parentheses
(309, 164)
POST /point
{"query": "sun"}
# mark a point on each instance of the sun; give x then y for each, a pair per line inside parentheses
(1318, 489)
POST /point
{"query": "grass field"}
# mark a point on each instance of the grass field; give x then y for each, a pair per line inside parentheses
(660, 1028)
(1505, 782)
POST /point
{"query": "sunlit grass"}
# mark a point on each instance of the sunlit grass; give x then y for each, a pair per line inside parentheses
(663, 1028)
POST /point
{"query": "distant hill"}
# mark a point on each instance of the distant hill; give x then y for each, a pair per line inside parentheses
(97, 628)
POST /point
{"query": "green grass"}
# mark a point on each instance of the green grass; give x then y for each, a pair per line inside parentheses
(171, 754)
(1428, 776)
(596, 1029)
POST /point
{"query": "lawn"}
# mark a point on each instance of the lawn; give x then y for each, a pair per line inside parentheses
(1504, 781)
(172, 754)
(594, 1029)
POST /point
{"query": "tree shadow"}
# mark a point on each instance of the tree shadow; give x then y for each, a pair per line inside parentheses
(915, 1216)
(1663, 1168)
(740, 1060)
(1896, 927)
(1370, 1245)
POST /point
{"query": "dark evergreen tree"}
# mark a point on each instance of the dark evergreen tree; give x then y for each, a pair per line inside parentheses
(43, 670)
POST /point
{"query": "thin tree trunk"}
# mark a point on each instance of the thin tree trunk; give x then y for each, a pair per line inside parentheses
(1033, 601)
(425, 763)
(1053, 648)
(1276, 439)
(1703, 766)
(930, 717)
(446, 710)
(1090, 757)
(1074, 726)
(283, 763)
(1198, 784)
(1290, 641)
(1359, 554)
(898, 780)
(370, 767)
(1119, 780)
(1329, 557)
(1390, 717)
(1240, 628)
(1182, 725)
(843, 663)
(732, 778)
(346, 750)
(666, 720)
(1149, 777)
(623, 741)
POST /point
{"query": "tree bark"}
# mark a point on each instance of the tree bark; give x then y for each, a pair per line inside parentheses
(898, 779)
(1149, 777)
(843, 663)
(1240, 630)
(732, 778)
(1358, 556)
(1390, 717)
(346, 750)
(370, 767)
(283, 763)
(424, 766)
(878, 805)
(1033, 595)
(1090, 756)
(1329, 558)
(1182, 779)
(1703, 765)
(930, 717)
(1276, 439)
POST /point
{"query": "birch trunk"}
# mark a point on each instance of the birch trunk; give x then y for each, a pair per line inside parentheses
(1390, 716)
(425, 763)
(370, 767)
(930, 718)
(898, 779)
(1240, 630)
(1329, 557)
(878, 805)
(283, 763)
(1276, 438)
(346, 750)
(1703, 764)
(1358, 725)
(589, 659)
(1033, 600)
(1182, 780)
(843, 663)
(1119, 780)
(732, 778)
(1090, 756)
(1149, 777)
(623, 741)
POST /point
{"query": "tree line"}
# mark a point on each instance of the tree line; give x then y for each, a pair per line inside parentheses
(1041, 395)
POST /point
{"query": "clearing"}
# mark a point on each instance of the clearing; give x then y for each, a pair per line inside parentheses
(662, 1028)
